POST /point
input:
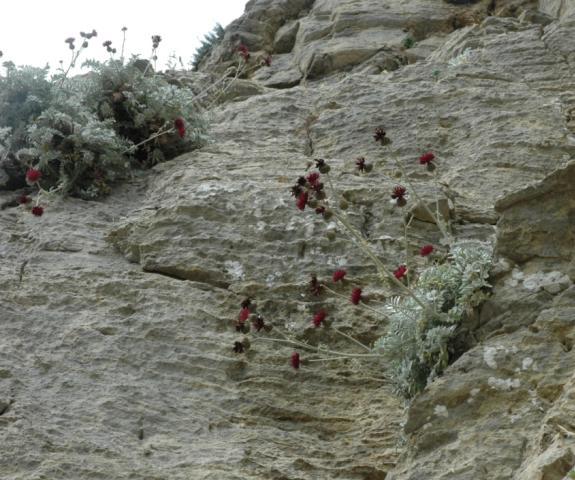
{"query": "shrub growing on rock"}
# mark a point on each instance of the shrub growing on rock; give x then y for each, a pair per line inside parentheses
(426, 313)
(86, 132)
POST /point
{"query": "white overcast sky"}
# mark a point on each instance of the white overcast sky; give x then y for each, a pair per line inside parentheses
(33, 31)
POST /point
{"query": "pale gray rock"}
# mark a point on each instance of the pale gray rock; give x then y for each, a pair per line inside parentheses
(285, 37)
(552, 202)
(118, 317)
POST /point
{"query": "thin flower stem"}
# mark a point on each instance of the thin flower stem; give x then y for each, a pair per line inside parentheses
(364, 245)
(318, 350)
(239, 70)
(292, 341)
(361, 305)
(123, 45)
(72, 62)
(384, 273)
(405, 237)
(354, 340)
(339, 358)
(438, 186)
(436, 219)
(149, 139)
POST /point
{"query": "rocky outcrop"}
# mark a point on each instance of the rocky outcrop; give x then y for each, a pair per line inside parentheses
(118, 316)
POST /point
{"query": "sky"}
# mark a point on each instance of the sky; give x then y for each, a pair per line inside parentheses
(33, 31)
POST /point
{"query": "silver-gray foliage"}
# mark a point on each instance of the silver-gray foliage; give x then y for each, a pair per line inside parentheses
(418, 343)
(85, 133)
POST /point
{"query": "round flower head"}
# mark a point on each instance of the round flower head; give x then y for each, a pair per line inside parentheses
(295, 360)
(319, 318)
(426, 250)
(356, 296)
(398, 195)
(244, 314)
(400, 272)
(338, 275)
(38, 211)
(33, 175)
(426, 158)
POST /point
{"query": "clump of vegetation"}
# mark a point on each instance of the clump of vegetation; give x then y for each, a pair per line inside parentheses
(87, 132)
(418, 346)
(24, 93)
(408, 43)
(140, 105)
(210, 41)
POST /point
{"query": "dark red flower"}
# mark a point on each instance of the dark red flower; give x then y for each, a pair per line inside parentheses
(180, 126)
(313, 178)
(33, 175)
(400, 272)
(24, 199)
(314, 286)
(319, 318)
(339, 275)
(356, 296)
(258, 323)
(301, 200)
(244, 52)
(296, 190)
(37, 211)
(295, 360)
(380, 136)
(426, 158)
(320, 210)
(267, 61)
(398, 192)
(398, 195)
(244, 314)
(426, 250)
(322, 166)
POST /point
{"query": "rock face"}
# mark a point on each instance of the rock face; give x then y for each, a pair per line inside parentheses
(118, 317)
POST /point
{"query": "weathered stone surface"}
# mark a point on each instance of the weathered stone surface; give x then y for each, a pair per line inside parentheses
(552, 202)
(118, 317)
(285, 37)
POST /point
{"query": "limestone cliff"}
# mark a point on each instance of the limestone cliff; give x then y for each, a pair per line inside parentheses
(116, 357)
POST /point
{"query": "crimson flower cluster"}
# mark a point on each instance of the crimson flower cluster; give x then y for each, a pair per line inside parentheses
(242, 324)
(309, 192)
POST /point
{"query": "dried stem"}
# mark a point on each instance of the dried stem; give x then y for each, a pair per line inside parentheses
(354, 340)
